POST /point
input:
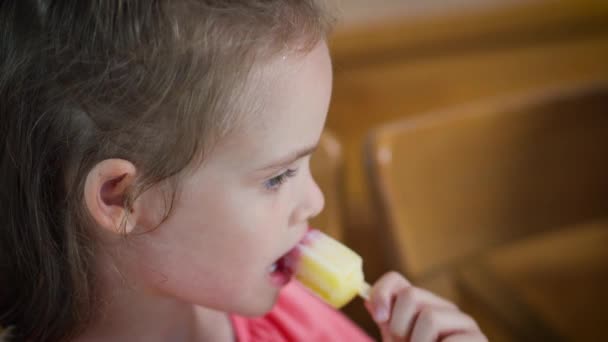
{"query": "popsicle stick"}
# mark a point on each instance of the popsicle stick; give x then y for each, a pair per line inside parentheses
(365, 291)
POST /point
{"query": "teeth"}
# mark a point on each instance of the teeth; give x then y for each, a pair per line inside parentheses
(273, 268)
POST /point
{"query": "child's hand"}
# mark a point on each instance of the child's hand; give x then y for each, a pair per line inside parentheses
(406, 313)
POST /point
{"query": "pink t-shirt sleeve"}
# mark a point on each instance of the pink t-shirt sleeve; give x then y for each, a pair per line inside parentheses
(298, 316)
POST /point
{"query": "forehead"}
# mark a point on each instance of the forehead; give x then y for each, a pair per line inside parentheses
(288, 99)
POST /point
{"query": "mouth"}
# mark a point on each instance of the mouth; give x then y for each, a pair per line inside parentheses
(282, 271)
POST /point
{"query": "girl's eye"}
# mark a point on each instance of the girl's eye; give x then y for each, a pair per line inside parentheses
(276, 182)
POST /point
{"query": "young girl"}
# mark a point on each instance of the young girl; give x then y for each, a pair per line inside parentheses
(154, 171)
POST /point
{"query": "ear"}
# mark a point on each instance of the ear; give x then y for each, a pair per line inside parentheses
(105, 191)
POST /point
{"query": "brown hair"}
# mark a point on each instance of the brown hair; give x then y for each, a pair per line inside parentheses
(155, 82)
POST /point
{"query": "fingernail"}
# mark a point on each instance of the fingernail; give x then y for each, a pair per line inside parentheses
(381, 314)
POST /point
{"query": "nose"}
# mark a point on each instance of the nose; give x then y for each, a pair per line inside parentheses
(311, 204)
(317, 199)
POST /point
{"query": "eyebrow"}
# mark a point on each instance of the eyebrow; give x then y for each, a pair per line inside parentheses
(290, 158)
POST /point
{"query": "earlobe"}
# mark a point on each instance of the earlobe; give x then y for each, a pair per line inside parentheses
(105, 192)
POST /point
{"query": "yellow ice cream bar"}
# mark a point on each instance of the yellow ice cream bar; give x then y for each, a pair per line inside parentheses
(331, 270)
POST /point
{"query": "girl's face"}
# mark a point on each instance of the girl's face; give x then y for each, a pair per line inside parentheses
(250, 201)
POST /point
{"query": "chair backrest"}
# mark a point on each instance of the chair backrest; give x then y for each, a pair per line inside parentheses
(326, 168)
(455, 183)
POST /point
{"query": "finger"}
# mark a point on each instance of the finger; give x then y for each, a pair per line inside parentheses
(404, 313)
(382, 294)
(435, 323)
(386, 333)
(408, 304)
(383, 327)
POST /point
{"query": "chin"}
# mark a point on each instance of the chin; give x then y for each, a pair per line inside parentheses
(261, 306)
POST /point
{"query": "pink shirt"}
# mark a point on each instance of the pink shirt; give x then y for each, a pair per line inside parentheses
(298, 316)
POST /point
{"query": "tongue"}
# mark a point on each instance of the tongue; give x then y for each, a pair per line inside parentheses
(280, 266)
(281, 274)
(289, 262)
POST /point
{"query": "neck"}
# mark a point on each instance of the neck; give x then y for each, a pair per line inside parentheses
(128, 314)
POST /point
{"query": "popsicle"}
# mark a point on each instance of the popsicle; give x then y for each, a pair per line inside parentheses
(330, 270)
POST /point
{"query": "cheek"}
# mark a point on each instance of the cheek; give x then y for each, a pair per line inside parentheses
(208, 205)
(281, 205)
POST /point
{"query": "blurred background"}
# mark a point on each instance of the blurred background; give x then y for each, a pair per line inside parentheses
(467, 147)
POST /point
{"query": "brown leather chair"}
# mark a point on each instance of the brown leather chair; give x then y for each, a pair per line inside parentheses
(326, 168)
(451, 185)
